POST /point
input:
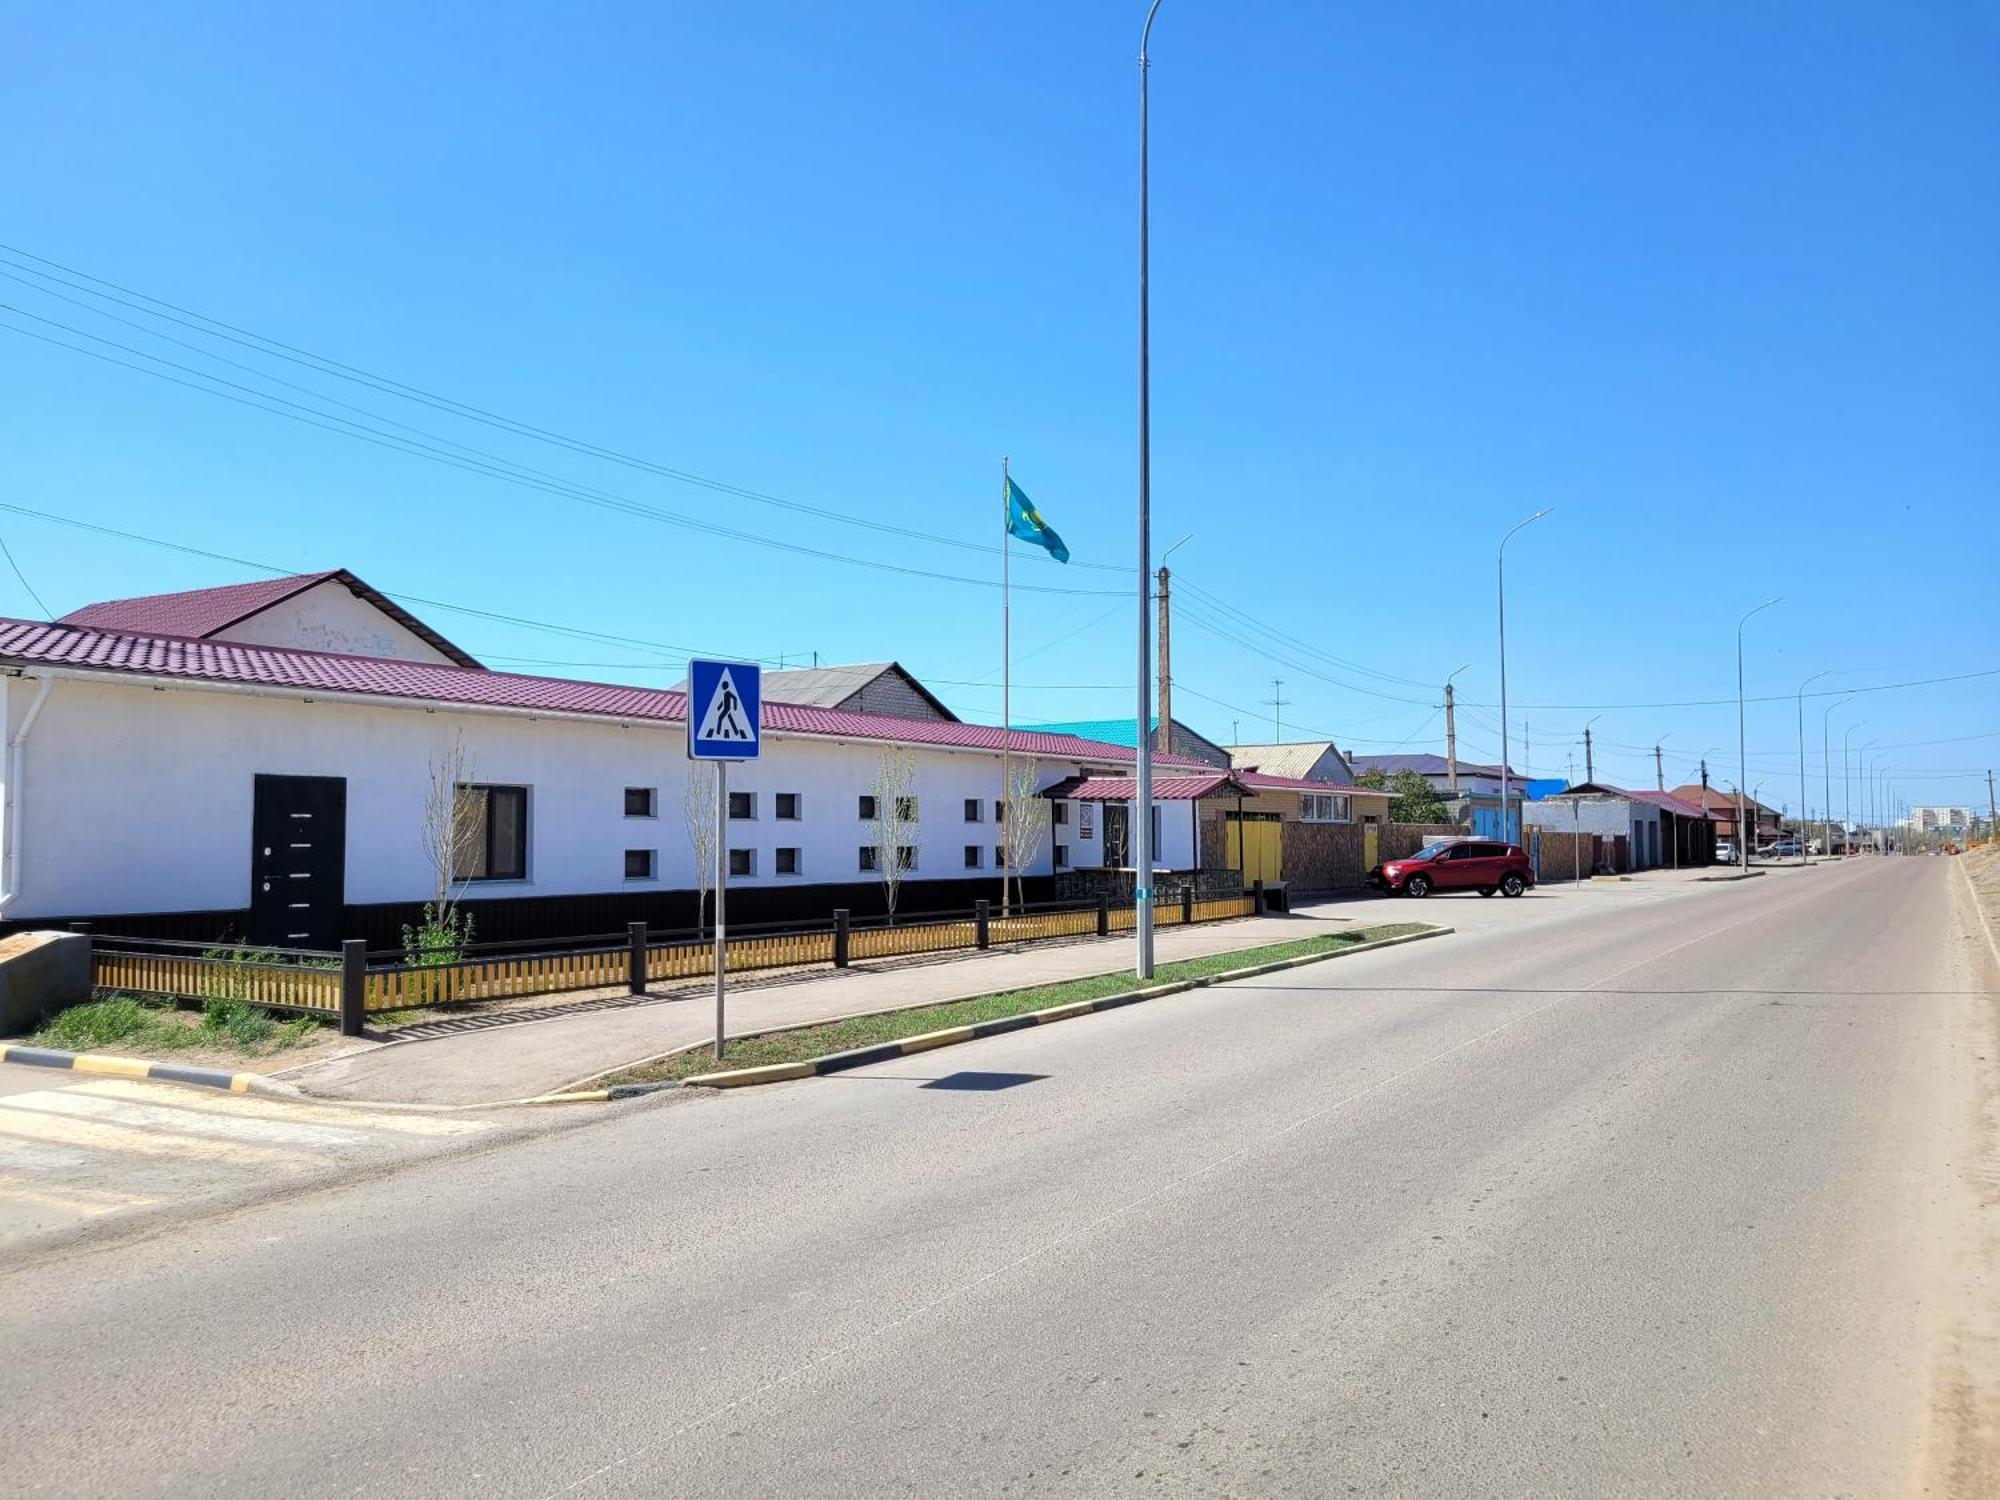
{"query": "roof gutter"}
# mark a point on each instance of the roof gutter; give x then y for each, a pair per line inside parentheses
(161, 682)
(15, 804)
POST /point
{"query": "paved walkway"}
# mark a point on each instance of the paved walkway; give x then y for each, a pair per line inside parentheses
(480, 1066)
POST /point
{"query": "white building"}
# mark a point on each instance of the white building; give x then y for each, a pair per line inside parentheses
(252, 761)
(1938, 819)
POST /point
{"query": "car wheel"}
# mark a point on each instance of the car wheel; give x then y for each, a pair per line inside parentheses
(1513, 885)
(1418, 886)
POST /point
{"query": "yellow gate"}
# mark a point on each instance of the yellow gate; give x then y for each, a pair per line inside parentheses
(1256, 847)
(1371, 846)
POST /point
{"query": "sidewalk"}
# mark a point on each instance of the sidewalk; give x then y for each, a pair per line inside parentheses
(485, 1064)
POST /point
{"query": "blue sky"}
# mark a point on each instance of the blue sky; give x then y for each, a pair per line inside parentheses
(1718, 285)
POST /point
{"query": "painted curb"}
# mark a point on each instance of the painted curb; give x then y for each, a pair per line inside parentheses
(1711, 879)
(859, 1057)
(106, 1065)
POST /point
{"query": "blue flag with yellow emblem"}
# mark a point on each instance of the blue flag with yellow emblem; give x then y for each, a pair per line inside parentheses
(1025, 522)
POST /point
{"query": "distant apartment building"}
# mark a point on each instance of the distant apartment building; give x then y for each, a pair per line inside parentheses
(1938, 819)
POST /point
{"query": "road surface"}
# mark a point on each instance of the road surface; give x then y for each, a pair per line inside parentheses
(1677, 1195)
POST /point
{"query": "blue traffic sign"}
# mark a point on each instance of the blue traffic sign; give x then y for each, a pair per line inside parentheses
(725, 710)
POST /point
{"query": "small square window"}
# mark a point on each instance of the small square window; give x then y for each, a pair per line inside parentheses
(975, 857)
(906, 857)
(1062, 856)
(742, 862)
(639, 863)
(867, 808)
(1059, 814)
(975, 810)
(639, 802)
(906, 809)
(867, 861)
(785, 807)
(786, 862)
(742, 805)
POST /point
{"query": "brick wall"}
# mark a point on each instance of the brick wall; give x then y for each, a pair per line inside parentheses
(1323, 856)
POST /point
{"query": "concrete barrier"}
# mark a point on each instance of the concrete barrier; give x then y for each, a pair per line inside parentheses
(40, 973)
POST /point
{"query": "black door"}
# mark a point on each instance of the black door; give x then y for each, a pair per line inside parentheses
(298, 861)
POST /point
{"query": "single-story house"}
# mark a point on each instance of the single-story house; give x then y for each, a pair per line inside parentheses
(1300, 760)
(254, 762)
(1476, 799)
(1657, 828)
(1766, 822)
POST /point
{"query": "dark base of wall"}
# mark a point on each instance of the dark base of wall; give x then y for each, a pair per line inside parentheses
(532, 918)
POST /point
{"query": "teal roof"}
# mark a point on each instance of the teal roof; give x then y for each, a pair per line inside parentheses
(1104, 731)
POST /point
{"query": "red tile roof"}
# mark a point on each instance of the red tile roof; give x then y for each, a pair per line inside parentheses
(1175, 788)
(200, 613)
(33, 642)
(1679, 806)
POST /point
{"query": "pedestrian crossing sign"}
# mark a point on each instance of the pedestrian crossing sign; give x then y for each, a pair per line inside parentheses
(725, 710)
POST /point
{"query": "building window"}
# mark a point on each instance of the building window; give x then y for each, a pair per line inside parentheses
(639, 863)
(999, 812)
(492, 823)
(999, 856)
(1322, 807)
(742, 805)
(975, 857)
(1059, 814)
(906, 857)
(742, 862)
(787, 862)
(1062, 856)
(867, 863)
(906, 809)
(785, 807)
(867, 807)
(975, 810)
(640, 802)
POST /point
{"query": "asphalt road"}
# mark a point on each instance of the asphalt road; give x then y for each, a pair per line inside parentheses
(1674, 1195)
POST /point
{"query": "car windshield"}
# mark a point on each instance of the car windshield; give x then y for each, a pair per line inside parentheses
(1431, 851)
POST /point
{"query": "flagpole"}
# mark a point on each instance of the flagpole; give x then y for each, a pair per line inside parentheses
(1006, 677)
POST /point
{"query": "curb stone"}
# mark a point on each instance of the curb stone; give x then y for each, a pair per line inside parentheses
(106, 1065)
(858, 1057)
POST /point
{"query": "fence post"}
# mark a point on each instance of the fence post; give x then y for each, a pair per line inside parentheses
(635, 978)
(981, 914)
(1103, 915)
(840, 918)
(1257, 894)
(353, 985)
(1187, 905)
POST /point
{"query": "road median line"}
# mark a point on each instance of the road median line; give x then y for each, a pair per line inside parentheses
(860, 1057)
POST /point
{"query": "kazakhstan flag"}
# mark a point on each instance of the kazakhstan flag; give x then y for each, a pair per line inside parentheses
(1025, 522)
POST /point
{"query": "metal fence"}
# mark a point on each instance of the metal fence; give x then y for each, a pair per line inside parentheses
(359, 983)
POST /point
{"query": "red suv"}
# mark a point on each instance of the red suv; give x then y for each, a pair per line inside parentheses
(1466, 865)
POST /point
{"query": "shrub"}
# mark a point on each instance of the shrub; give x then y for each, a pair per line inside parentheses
(440, 938)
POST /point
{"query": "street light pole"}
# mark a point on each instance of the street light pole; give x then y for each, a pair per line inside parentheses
(1742, 755)
(1802, 759)
(1506, 828)
(1847, 784)
(1826, 774)
(1142, 836)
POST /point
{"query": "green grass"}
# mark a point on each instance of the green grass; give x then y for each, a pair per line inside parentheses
(129, 1023)
(867, 1031)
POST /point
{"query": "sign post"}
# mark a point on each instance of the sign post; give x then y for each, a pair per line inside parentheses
(725, 712)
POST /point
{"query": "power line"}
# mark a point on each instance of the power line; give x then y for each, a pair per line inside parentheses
(46, 611)
(602, 499)
(216, 328)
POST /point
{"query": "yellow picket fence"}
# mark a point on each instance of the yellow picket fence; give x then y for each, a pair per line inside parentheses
(185, 976)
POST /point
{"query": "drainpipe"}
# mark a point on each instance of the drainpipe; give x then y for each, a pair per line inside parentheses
(10, 829)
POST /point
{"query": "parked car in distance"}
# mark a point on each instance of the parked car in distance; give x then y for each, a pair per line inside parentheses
(1725, 851)
(1780, 849)
(1462, 865)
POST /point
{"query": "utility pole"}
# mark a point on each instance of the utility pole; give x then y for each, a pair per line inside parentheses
(1991, 832)
(1142, 801)
(1589, 764)
(1450, 742)
(1166, 670)
(1659, 769)
(1277, 703)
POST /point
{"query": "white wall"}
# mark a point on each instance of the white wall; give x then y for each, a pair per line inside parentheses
(139, 798)
(331, 617)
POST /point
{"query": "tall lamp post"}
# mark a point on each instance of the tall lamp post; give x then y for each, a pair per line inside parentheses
(1826, 774)
(1742, 755)
(1142, 836)
(1802, 758)
(1847, 784)
(1506, 828)
(1861, 776)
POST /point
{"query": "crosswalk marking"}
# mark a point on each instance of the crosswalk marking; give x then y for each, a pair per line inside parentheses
(33, 1125)
(249, 1106)
(87, 1201)
(80, 1105)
